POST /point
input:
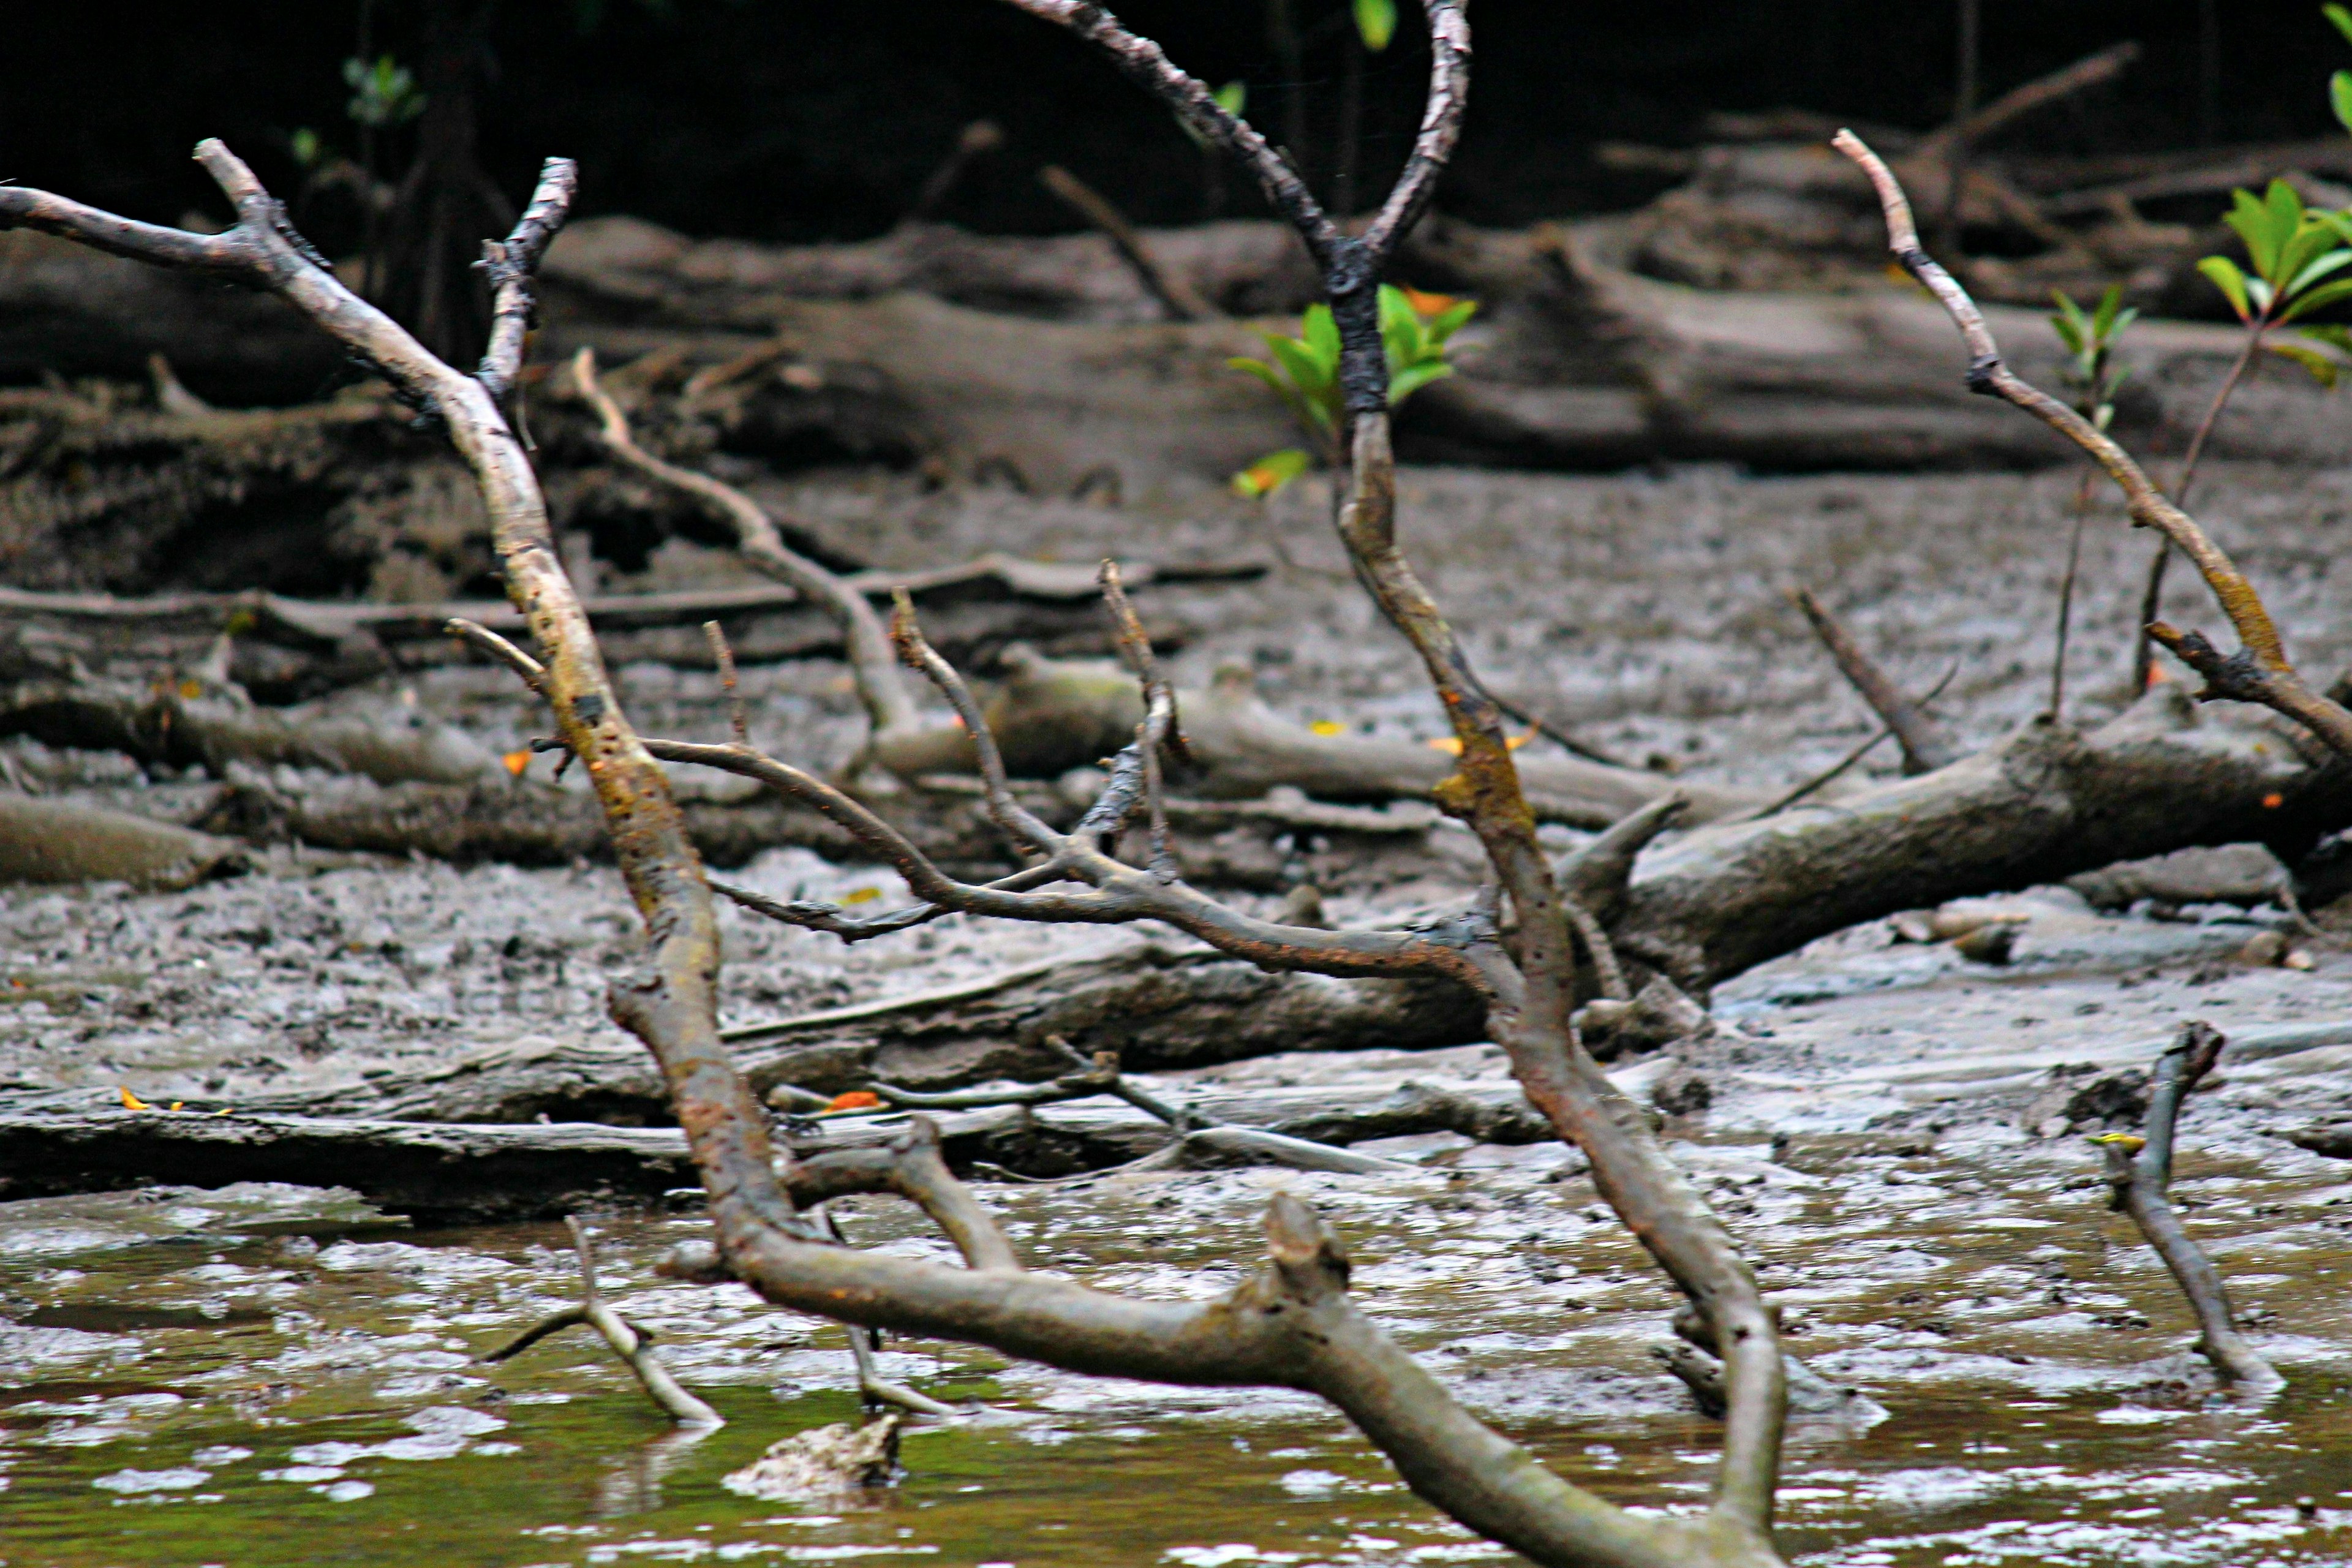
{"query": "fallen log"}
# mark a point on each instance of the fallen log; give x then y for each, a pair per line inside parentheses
(2048, 804)
(434, 1174)
(69, 841)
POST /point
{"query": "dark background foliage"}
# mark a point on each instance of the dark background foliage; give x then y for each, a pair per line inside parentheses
(783, 119)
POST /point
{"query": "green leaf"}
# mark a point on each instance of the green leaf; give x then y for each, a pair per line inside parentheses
(1271, 472)
(2339, 97)
(2323, 369)
(1448, 321)
(1308, 373)
(2326, 294)
(1321, 335)
(1404, 383)
(2327, 262)
(1263, 371)
(2341, 17)
(2104, 324)
(2260, 291)
(2073, 330)
(1376, 23)
(2312, 240)
(1232, 97)
(2251, 217)
(307, 146)
(2330, 334)
(2224, 275)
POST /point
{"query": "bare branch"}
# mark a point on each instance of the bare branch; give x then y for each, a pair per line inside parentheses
(512, 265)
(2281, 688)
(533, 673)
(1441, 127)
(724, 657)
(630, 1343)
(2139, 1172)
(889, 706)
(1017, 821)
(1176, 296)
(1926, 748)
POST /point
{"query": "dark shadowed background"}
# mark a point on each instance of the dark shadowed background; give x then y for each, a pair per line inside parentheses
(781, 120)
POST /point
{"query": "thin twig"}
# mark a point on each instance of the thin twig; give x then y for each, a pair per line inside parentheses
(1172, 289)
(890, 707)
(1838, 769)
(533, 673)
(2151, 599)
(1017, 822)
(1925, 746)
(872, 1386)
(632, 1344)
(2081, 510)
(724, 656)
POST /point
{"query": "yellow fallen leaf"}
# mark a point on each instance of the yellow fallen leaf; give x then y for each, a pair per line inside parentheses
(2129, 1143)
(861, 895)
(190, 689)
(1452, 746)
(1328, 727)
(517, 761)
(130, 1100)
(179, 1105)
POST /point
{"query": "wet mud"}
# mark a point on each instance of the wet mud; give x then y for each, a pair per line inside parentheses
(264, 1375)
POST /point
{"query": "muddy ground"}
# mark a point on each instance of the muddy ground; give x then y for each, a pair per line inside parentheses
(187, 1378)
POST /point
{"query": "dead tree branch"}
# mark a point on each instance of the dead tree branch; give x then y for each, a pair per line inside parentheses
(890, 707)
(1925, 746)
(629, 1341)
(2139, 1169)
(2259, 671)
(1176, 295)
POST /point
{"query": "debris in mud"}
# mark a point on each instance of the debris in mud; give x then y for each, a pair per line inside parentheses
(825, 1464)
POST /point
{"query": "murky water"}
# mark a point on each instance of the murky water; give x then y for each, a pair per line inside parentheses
(185, 1389)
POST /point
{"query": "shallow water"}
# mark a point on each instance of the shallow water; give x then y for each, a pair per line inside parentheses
(238, 1398)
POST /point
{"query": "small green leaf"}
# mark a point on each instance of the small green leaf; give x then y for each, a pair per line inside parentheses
(1411, 378)
(1271, 472)
(1263, 371)
(2339, 97)
(2323, 369)
(2224, 275)
(1321, 335)
(307, 147)
(1446, 322)
(2105, 322)
(2313, 271)
(2341, 17)
(1310, 373)
(2325, 295)
(1232, 98)
(2252, 220)
(2071, 329)
(2330, 334)
(1376, 23)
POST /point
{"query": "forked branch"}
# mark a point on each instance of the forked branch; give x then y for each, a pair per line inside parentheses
(2259, 671)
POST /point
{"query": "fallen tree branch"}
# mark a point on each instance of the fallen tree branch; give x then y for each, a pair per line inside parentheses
(1175, 294)
(2139, 1169)
(631, 1342)
(1925, 746)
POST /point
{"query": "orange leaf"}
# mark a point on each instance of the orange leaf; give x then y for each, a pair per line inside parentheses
(130, 1100)
(1426, 305)
(855, 1100)
(2273, 800)
(517, 761)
